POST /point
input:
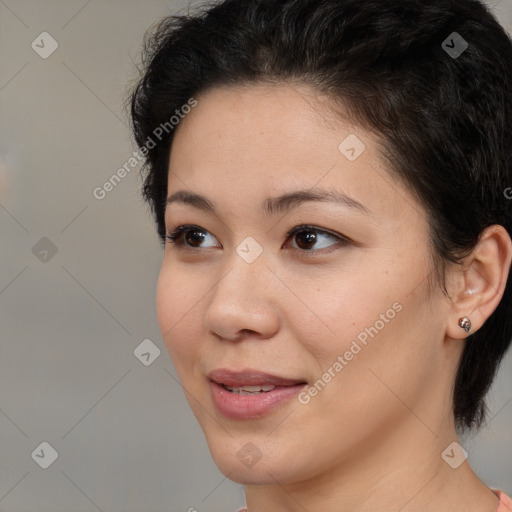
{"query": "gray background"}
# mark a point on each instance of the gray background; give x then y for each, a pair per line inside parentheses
(70, 321)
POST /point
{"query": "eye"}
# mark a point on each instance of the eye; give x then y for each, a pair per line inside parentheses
(192, 234)
(306, 236)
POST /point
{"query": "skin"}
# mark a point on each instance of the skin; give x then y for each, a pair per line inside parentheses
(372, 439)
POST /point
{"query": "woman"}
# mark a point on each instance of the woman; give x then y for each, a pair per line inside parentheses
(331, 182)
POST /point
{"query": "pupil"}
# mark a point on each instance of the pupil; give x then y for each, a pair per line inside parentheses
(194, 236)
(309, 237)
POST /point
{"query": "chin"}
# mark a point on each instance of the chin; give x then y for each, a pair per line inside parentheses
(244, 464)
(259, 474)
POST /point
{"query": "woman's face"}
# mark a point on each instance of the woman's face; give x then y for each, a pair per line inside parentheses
(340, 309)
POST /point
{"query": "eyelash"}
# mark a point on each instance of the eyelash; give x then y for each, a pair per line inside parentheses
(176, 237)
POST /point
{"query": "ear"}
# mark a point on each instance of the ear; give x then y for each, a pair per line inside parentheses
(479, 282)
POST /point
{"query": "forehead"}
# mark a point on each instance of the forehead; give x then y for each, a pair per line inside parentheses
(264, 140)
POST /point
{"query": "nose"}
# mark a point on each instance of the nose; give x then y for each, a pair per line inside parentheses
(244, 300)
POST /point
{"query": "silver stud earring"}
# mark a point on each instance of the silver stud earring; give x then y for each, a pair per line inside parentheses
(465, 323)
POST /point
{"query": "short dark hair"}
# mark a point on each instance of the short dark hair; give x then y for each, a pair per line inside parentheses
(445, 120)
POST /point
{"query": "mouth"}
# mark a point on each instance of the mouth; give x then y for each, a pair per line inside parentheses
(250, 393)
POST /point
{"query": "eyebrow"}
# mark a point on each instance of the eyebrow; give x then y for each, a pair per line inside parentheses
(273, 205)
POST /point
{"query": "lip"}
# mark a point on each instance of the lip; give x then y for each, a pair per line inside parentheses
(249, 377)
(245, 407)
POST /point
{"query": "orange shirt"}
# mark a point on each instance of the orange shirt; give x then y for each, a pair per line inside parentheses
(505, 504)
(505, 501)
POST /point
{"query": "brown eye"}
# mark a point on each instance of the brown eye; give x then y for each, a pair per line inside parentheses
(312, 239)
(305, 239)
(193, 237)
(188, 236)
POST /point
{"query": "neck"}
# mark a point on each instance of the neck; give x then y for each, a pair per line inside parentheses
(405, 473)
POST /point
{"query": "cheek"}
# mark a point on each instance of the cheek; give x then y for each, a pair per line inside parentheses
(384, 336)
(178, 312)
(367, 315)
(338, 306)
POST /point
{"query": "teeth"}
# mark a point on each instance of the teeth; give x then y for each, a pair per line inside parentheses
(250, 390)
